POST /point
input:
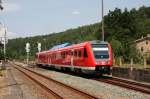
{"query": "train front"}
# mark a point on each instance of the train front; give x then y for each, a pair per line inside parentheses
(102, 52)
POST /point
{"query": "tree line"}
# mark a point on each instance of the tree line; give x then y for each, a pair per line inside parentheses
(122, 27)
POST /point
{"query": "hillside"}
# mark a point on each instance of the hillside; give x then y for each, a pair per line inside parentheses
(121, 28)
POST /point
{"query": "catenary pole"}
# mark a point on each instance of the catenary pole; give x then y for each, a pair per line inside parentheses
(103, 21)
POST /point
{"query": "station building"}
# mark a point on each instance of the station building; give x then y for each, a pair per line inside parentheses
(143, 45)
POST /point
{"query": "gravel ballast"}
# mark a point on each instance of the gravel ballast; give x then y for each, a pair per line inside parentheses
(102, 90)
(99, 89)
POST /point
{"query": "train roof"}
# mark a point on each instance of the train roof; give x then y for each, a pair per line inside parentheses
(98, 42)
(60, 46)
(67, 46)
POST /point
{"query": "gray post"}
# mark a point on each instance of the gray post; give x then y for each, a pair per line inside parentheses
(131, 64)
(45, 43)
(1, 7)
(4, 49)
(102, 20)
(114, 61)
(27, 58)
(27, 50)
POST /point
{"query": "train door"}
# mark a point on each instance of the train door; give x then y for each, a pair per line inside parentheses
(80, 57)
(72, 55)
(49, 59)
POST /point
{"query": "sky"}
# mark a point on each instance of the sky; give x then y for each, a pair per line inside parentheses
(25, 18)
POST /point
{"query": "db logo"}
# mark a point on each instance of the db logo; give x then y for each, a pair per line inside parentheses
(103, 63)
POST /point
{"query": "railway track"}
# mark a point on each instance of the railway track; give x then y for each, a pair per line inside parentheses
(144, 88)
(53, 87)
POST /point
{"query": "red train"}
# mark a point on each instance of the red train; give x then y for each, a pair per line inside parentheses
(87, 57)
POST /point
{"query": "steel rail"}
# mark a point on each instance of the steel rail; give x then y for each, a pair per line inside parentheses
(144, 88)
(87, 95)
(51, 92)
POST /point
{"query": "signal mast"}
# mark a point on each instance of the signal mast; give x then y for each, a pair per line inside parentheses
(103, 21)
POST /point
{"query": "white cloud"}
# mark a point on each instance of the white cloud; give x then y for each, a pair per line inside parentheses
(75, 12)
(10, 7)
(12, 35)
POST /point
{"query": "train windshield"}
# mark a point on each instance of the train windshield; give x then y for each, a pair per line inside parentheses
(100, 51)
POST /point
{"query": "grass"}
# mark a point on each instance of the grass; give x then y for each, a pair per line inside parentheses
(135, 66)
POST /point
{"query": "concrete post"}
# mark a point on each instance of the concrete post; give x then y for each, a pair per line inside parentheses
(145, 62)
(120, 61)
(114, 61)
(27, 58)
(131, 64)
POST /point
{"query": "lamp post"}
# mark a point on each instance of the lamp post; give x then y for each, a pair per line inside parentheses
(1, 7)
(5, 45)
(3, 41)
(103, 21)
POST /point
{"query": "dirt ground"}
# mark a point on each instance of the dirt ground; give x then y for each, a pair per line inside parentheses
(14, 85)
(4, 90)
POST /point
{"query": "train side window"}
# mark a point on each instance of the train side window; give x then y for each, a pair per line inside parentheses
(85, 53)
(75, 53)
(66, 53)
(63, 54)
(79, 53)
(55, 55)
(71, 53)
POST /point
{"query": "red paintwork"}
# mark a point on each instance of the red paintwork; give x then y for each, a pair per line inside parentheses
(49, 57)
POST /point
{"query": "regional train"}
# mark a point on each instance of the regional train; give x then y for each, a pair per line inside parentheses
(88, 57)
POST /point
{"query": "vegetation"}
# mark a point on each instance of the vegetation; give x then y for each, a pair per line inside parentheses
(121, 29)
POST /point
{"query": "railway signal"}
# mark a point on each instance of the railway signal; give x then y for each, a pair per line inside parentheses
(27, 50)
(39, 47)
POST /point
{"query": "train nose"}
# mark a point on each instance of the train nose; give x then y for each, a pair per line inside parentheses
(102, 62)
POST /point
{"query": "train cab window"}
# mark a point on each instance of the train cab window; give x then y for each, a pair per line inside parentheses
(85, 53)
(100, 51)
